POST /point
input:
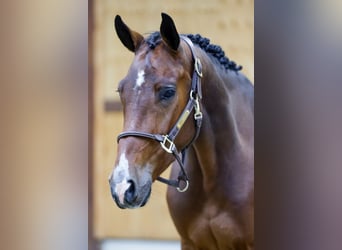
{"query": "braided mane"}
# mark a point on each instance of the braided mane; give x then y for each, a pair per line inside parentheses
(204, 43)
(214, 50)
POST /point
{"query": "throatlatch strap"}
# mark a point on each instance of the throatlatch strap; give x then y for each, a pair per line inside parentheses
(182, 177)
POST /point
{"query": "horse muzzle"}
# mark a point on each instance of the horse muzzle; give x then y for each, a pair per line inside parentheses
(128, 194)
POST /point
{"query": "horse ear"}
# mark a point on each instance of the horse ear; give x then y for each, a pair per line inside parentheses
(169, 32)
(129, 38)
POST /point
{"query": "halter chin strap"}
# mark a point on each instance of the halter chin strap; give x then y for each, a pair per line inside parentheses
(167, 141)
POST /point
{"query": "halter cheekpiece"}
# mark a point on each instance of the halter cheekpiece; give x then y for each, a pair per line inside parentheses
(167, 141)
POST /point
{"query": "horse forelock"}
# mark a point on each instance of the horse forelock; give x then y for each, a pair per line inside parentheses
(153, 39)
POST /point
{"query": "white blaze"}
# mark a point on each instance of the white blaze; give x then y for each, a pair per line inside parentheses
(140, 78)
(121, 174)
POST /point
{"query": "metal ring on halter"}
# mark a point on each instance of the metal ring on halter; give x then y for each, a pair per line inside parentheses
(198, 67)
(185, 188)
(192, 93)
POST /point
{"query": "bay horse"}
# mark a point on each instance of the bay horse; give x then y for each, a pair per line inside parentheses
(184, 102)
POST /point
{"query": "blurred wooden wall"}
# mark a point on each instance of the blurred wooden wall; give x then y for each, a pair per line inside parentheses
(228, 23)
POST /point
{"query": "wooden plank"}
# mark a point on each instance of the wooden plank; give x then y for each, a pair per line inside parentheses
(112, 106)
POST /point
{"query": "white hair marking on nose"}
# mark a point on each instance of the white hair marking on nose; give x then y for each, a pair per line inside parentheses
(121, 173)
(122, 167)
(140, 79)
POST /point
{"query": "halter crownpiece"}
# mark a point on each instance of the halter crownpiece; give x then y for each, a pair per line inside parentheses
(167, 141)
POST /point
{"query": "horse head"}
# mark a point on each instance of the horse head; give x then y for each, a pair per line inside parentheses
(153, 95)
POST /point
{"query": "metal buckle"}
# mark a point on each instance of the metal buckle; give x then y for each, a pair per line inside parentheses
(198, 67)
(198, 114)
(167, 144)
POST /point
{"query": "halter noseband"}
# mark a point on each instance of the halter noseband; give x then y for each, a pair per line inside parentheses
(167, 141)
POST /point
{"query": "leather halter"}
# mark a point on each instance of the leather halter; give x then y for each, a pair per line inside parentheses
(167, 141)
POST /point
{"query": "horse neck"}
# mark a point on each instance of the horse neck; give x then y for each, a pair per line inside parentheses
(219, 134)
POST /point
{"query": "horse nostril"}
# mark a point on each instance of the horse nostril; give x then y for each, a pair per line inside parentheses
(130, 194)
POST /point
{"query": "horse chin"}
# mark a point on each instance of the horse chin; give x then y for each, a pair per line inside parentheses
(145, 200)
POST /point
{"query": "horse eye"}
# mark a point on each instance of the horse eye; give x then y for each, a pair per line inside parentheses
(166, 93)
